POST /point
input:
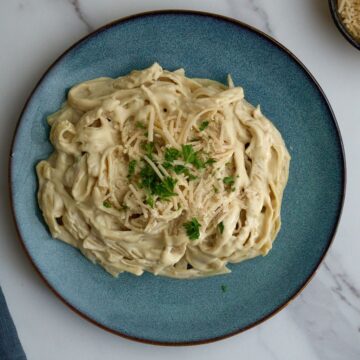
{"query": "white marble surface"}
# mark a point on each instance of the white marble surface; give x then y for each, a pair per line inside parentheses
(324, 322)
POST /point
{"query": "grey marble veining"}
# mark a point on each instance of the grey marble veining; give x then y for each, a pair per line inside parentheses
(255, 9)
(76, 5)
(317, 312)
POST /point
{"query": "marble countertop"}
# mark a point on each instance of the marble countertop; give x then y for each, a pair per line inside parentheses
(323, 322)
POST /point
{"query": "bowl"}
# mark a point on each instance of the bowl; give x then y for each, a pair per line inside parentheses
(340, 25)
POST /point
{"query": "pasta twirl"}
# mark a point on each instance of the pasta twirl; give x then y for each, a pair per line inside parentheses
(158, 172)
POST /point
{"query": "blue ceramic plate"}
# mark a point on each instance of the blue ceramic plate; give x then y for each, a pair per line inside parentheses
(158, 309)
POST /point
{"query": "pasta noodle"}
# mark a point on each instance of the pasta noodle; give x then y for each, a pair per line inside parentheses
(158, 172)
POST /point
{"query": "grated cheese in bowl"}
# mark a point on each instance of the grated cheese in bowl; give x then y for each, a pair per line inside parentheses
(349, 11)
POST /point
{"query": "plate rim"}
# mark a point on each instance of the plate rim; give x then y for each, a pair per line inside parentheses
(241, 25)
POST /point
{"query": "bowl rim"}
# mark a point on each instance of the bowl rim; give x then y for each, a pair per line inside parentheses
(339, 24)
(241, 25)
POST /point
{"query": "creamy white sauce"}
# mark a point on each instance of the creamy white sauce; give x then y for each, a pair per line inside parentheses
(88, 200)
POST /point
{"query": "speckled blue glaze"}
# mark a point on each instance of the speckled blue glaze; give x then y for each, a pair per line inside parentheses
(166, 310)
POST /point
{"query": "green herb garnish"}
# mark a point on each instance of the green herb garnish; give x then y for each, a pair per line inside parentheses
(190, 156)
(107, 204)
(198, 163)
(171, 154)
(140, 125)
(216, 190)
(131, 168)
(210, 161)
(180, 169)
(191, 176)
(149, 149)
(150, 181)
(229, 180)
(188, 153)
(224, 288)
(221, 227)
(192, 228)
(124, 207)
(150, 201)
(203, 125)
(165, 189)
(167, 165)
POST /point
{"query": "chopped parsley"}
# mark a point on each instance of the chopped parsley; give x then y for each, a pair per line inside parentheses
(229, 180)
(224, 288)
(180, 169)
(167, 165)
(188, 153)
(210, 161)
(171, 154)
(198, 163)
(149, 149)
(150, 181)
(140, 125)
(191, 176)
(165, 188)
(216, 190)
(107, 204)
(191, 156)
(221, 227)
(203, 125)
(150, 201)
(131, 168)
(124, 207)
(148, 177)
(192, 229)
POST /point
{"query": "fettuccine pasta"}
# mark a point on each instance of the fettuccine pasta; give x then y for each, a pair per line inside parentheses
(158, 172)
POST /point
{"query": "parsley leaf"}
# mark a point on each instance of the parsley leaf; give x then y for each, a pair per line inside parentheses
(223, 288)
(171, 154)
(167, 165)
(203, 125)
(107, 204)
(148, 177)
(188, 153)
(180, 169)
(210, 161)
(192, 228)
(216, 190)
(149, 149)
(192, 157)
(131, 168)
(191, 176)
(221, 227)
(229, 180)
(140, 125)
(197, 162)
(165, 188)
(150, 181)
(150, 201)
